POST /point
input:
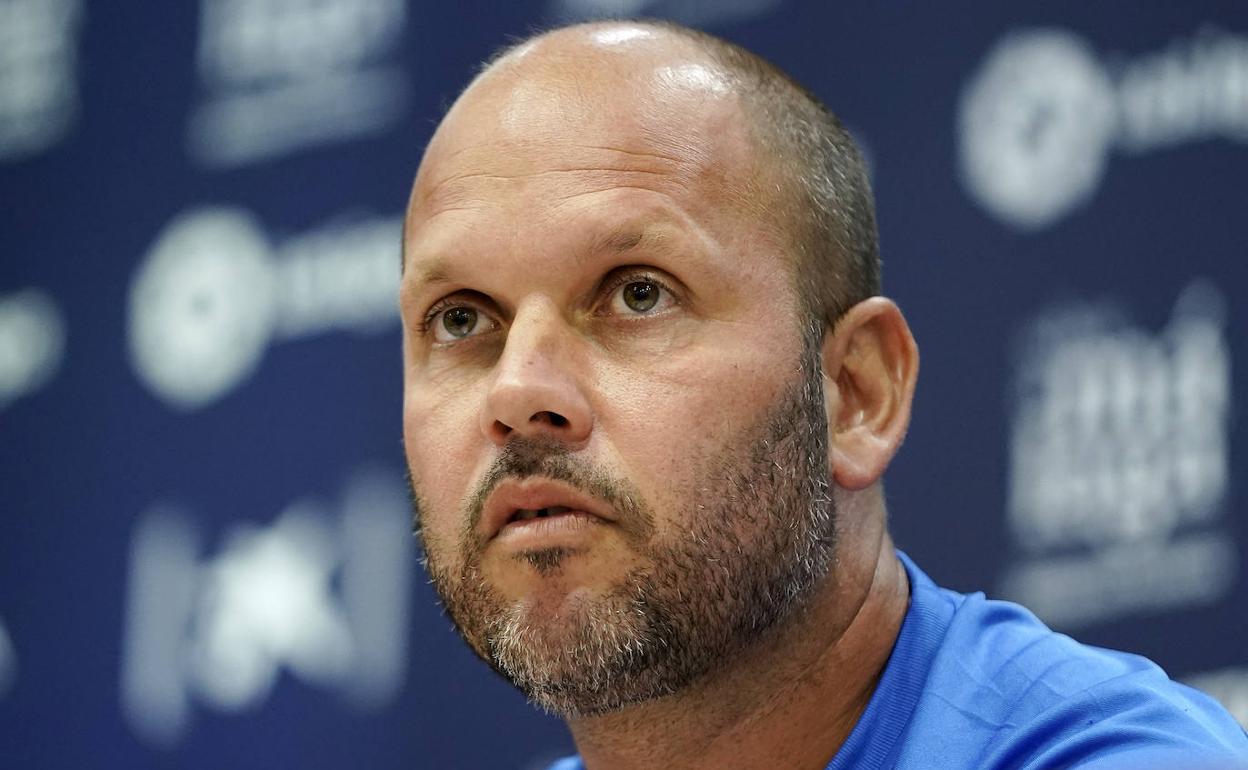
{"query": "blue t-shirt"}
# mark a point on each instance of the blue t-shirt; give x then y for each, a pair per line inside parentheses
(976, 683)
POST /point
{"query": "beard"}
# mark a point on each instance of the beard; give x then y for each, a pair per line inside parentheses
(758, 538)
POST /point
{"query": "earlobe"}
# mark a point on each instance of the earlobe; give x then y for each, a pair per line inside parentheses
(870, 367)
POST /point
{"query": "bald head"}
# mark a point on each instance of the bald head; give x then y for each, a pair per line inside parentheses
(734, 121)
(578, 93)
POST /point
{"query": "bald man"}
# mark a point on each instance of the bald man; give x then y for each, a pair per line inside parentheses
(651, 390)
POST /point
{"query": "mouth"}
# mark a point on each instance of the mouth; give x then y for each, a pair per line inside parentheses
(528, 514)
(518, 503)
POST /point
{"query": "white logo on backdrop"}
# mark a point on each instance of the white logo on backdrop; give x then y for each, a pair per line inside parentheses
(38, 73)
(214, 292)
(1119, 463)
(32, 343)
(1035, 123)
(1228, 686)
(281, 75)
(1038, 120)
(687, 11)
(201, 306)
(323, 597)
(8, 662)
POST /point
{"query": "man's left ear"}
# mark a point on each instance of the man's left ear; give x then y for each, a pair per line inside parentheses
(870, 365)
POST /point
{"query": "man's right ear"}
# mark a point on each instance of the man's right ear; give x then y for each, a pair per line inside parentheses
(870, 366)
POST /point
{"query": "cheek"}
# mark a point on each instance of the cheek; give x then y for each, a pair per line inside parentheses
(438, 440)
(670, 420)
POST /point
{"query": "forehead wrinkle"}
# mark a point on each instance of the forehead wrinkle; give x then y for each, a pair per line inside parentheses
(461, 192)
(469, 176)
(637, 153)
(450, 190)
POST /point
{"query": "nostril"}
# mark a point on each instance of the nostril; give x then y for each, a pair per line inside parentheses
(556, 420)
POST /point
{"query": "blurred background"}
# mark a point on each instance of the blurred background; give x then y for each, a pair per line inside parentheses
(205, 558)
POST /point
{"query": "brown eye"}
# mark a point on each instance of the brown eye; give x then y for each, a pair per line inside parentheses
(641, 296)
(459, 321)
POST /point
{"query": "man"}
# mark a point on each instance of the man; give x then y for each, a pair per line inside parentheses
(650, 393)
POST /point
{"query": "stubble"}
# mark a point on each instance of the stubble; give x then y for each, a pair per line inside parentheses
(760, 536)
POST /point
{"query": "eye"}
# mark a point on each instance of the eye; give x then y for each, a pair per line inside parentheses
(640, 296)
(457, 322)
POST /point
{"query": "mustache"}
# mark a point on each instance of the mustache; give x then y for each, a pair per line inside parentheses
(523, 458)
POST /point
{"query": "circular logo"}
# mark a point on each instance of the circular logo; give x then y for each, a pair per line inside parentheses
(201, 306)
(1035, 126)
(32, 342)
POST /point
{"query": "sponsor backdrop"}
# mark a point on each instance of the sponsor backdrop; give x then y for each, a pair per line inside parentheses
(205, 558)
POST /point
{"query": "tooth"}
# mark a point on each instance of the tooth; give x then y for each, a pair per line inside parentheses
(525, 515)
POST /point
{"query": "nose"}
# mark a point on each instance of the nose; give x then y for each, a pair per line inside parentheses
(536, 391)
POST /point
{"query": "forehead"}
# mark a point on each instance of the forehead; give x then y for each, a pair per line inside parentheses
(582, 116)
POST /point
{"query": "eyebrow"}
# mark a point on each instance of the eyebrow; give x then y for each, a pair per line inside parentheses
(618, 240)
(415, 279)
(649, 235)
(437, 271)
(653, 235)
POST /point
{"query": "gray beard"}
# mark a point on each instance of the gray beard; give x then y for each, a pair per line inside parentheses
(760, 538)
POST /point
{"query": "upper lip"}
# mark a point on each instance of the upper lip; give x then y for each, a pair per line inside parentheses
(532, 494)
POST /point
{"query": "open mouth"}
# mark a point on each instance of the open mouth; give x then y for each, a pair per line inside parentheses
(525, 514)
(517, 505)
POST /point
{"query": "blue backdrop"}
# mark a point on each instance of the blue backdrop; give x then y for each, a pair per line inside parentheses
(204, 549)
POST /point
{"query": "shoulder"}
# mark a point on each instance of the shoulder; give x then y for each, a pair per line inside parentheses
(1006, 691)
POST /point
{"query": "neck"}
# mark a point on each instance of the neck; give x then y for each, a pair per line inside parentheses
(792, 699)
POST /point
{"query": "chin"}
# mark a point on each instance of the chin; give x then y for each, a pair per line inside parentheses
(571, 650)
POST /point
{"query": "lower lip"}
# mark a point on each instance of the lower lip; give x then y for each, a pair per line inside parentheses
(549, 531)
